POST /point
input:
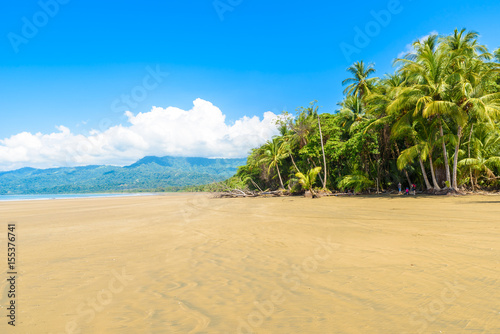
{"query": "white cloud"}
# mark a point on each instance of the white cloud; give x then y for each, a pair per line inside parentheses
(409, 47)
(199, 132)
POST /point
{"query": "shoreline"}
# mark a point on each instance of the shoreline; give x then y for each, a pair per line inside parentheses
(50, 197)
(47, 197)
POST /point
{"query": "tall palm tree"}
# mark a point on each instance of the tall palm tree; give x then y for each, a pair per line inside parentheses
(470, 84)
(272, 153)
(359, 84)
(351, 112)
(463, 44)
(312, 113)
(301, 127)
(427, 95)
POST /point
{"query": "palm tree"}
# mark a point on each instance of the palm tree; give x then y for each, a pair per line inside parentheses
(307, 180)
(462, 45)
(301, 127)
(359, 84)
(290, 143)
(312, 112)
(469, 81)
(351, 112)
(422, 146)
(487, 154)
(427, 95)
(357, 181)
(272, 153)
(377, 103)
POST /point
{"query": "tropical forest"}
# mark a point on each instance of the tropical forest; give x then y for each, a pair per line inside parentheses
(433, 122)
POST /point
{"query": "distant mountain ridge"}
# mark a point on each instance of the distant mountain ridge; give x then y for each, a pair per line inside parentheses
(148, 173)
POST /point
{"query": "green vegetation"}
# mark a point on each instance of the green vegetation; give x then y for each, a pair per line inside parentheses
(150, 174)
(434, 122)
(307, 180)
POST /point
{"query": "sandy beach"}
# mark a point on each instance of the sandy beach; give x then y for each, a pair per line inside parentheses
(187, 263)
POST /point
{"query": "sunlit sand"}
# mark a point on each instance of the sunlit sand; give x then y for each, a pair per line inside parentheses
(191, 264)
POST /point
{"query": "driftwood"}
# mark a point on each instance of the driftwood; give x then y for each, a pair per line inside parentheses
(236, 193)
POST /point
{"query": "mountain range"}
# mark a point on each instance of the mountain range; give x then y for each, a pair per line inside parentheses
(147, 174)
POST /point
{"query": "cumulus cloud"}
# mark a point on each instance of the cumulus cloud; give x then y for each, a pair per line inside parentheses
(200, 132)
(409, 47)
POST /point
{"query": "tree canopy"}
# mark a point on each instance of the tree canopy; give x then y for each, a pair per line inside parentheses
(434, 122)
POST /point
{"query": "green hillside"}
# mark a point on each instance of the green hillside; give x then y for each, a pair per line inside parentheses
(149, 173)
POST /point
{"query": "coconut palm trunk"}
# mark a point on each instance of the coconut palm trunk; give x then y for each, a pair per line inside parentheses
(470, 168)
(279, 176)
(323, 151)
(424, 174)
(293, 162)
(433, 174)
(455, 158)
(445, 153)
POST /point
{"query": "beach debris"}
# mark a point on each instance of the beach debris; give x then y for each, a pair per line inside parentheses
(235, 193)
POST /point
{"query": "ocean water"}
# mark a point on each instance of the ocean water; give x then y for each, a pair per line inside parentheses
(63, 196)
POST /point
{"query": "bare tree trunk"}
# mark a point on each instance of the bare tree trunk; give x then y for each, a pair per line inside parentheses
(455, 158)
(434, 181)
(323, 151)
(445, 153)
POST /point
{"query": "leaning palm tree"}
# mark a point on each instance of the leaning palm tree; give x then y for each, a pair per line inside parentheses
(272, 153)
(359, 84)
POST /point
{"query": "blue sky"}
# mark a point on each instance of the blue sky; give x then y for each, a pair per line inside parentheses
(250, 57)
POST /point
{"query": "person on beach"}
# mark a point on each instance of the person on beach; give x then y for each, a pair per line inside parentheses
(399, 188)
(407, 192)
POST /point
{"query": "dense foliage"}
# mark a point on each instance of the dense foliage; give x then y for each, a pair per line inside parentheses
(433, 122)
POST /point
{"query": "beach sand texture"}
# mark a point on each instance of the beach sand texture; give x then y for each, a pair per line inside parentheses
(191, 264)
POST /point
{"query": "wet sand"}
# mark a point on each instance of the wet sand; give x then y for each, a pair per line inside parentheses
(190, 264)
